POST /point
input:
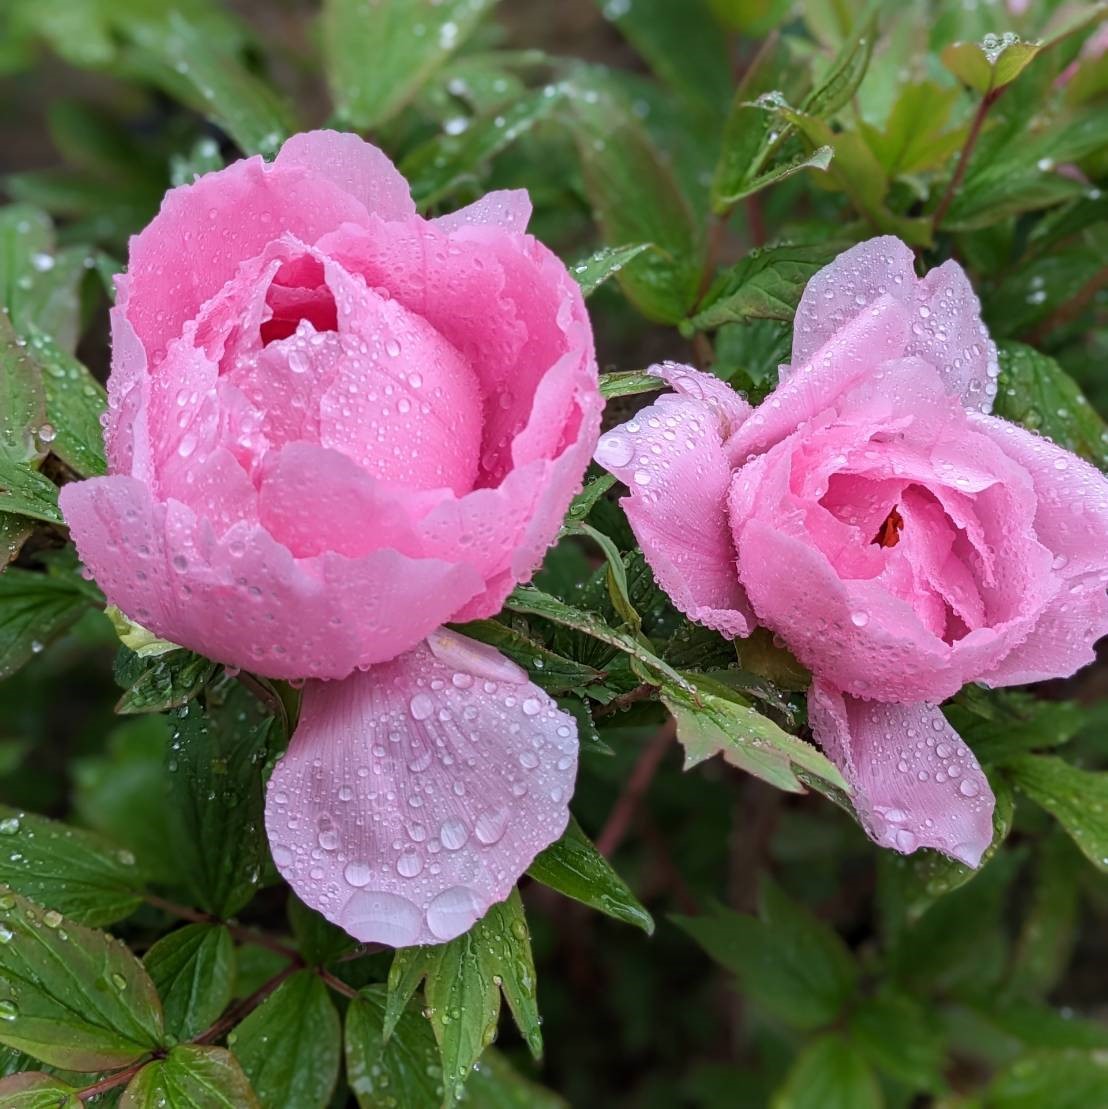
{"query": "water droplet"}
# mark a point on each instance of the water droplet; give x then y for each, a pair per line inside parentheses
(421, 706)
(859, 619)
(453, 834)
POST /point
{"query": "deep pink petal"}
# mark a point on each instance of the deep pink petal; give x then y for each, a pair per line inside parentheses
(243, 599)
(506, 208)
(943, 311)
(355, 166)
(412, 797)
(914, 781)
(671, 457)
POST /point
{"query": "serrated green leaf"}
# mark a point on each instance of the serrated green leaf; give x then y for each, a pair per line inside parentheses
(792, 964)
(25, 492)
(1059, 1079)
(575, 868)
(766, 284)
(71, 996)
(716, 719)
(1077, 799)
(1035, 392)
(380, 56)
(66, 869)
(35, 609)
(35, 1090)
(439, 166)
(635, 198)
(829, 1073)
(171, 680)
(464, 981)
(216, 801)
(191, 1077)
(591, 272)
(899, 1037)
(290, 1045)
(193, 968)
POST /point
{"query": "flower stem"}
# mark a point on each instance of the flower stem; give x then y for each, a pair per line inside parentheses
(987, 101)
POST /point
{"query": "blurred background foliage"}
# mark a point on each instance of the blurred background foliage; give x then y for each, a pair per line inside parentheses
(695, 161)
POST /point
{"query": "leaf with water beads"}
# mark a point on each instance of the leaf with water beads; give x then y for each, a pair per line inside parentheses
(171, 680)
(69, 995)
(191, 1077)
(464, 981)
(591, 272)
(35, 609)
(193, 968)
(36, 1090)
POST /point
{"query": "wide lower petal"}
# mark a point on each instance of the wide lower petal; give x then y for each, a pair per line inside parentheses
(413, 796)
(914, 782)
(671, 457)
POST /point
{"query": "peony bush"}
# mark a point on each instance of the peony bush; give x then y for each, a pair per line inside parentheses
(599, 510)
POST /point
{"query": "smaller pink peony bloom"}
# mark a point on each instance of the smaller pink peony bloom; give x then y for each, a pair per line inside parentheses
(334, 426)
(900, 540)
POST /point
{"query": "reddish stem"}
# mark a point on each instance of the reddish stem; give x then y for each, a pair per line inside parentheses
(987, 101)
(619, 820)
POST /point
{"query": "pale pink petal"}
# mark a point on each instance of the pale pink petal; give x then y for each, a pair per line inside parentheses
(356, 166)
(1071, 520)
(243, 599)
(731, 407)
(943, 311)
(205, 230)
(506, 208)
(851, 354)
(412, 797)
(914, 782)
(670, 455)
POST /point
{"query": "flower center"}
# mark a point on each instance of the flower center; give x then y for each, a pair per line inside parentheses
(888, 534)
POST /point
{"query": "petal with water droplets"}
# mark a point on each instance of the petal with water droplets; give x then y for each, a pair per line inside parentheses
(914, 781)
(414, 795)
(507, 208)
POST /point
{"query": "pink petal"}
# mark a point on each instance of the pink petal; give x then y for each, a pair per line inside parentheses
(944, 313)
(506, 208)
(850, 355)
(205, 230)
(243, 599)
(913, 780)
(126, 435)
(730, 407)
(412, 797)
(355, 166)
(1071, 520)
(671, 457)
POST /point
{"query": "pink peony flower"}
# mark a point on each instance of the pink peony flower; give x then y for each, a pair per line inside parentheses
(333, 427)
(870, 512)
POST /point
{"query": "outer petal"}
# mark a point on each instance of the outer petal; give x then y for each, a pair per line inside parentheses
(914, 782)
(730, 407)
(356, 166)
(671, 457)
(243, 599)
(1071, 520)
(414, 796)
(944, 311)
(506, 208)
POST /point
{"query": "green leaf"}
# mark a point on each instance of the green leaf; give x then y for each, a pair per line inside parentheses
(464, 981)
(683, 44)
(290, 1045)
(216, 799)
(379, 56)
(629, 384)
(591, 272)
(715, 719)
(575, 868)
(14, 532)
(495, 1084)
(991, 64)
(25, 492)
(829, 1073)
(22, 403)
(75, 400)
(914, 138)
(71, 996)
(173, 679)
(1058, 1079)
(439, 166)
(193, 968)
(1000, 723)
(792, 964)
(35, 609)
(898, 1037)
(767, 284)
(191, 1077)
(35, 1090)
(65, 869)
(1077, 799)
(635, 198)
(845, 73)
(1035, 392)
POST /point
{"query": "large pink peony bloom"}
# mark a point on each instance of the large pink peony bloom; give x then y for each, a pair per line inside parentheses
(334, 426)
(870, 512)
